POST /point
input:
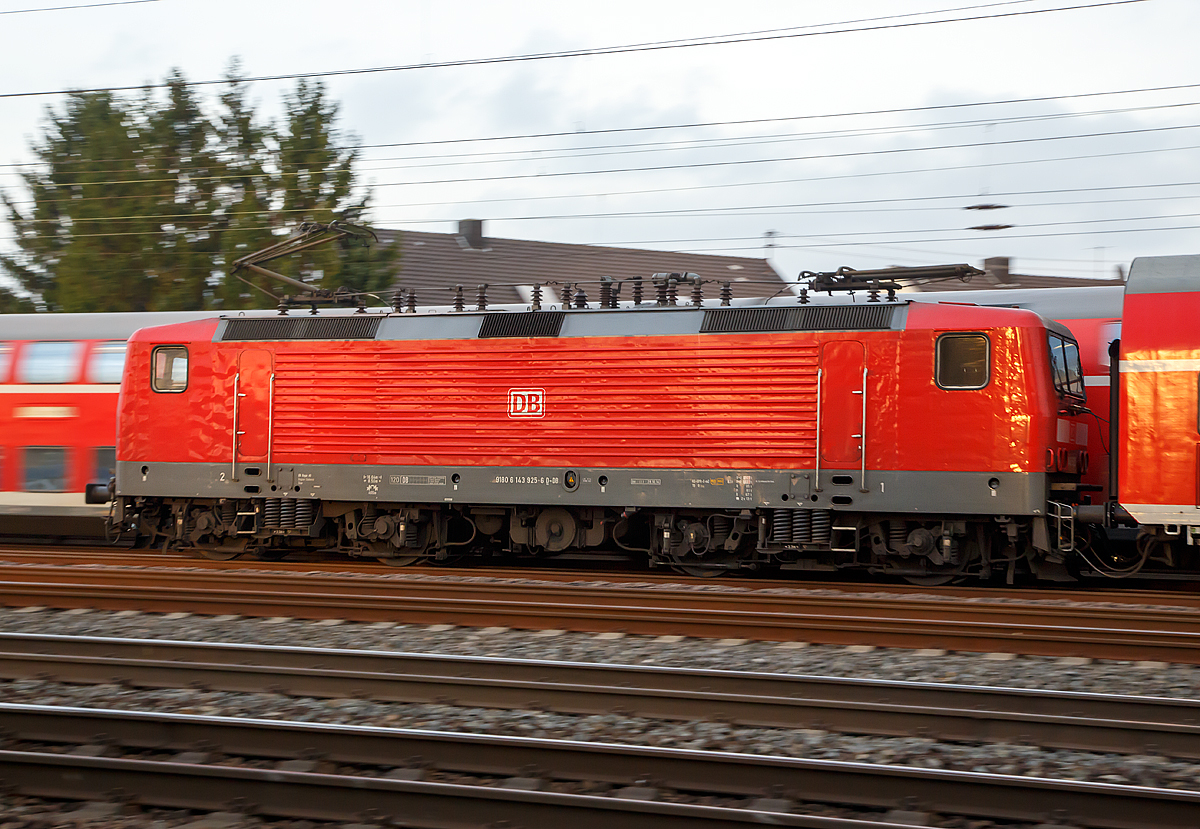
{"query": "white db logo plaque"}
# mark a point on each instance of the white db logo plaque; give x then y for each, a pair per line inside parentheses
(526, 402)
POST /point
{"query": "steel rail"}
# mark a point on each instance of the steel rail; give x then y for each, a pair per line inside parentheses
(277, 792)
(334, 564)
(956, 713)
(615, 595)
(1169, 635)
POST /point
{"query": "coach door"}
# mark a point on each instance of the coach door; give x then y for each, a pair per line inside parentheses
(843, 396)
(253, 390)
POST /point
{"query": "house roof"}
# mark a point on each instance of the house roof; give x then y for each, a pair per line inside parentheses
(433, 263)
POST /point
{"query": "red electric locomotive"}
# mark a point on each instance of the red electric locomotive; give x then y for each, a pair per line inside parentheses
(928, 440)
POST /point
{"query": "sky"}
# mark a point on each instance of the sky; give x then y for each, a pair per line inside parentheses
(818, 134)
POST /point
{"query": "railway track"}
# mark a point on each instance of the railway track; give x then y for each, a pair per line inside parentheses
(951, 713)
(336, 772)
(1135, 633)
(1180, 594)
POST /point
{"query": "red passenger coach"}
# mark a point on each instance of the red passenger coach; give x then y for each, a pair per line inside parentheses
(925, 440)
(1160, 363)
(60, 375)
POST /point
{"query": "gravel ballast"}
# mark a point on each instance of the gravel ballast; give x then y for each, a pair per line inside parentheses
(1005, 670)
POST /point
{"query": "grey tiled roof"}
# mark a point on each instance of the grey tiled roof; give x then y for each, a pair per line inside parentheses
(433, 263)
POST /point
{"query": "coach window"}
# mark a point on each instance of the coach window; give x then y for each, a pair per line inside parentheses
(170, 368)
(49, 362)
(45, 469)
(963, 361)
(107, 363)
(5, 359)
(106, 463)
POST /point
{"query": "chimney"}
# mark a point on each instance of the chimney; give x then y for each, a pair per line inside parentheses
(470, 234)
(996, 271)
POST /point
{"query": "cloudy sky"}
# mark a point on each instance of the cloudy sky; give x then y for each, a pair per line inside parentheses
(815, 132)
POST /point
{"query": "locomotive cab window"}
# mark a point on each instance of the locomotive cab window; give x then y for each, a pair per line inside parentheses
(170, 368)
(1066, 367)
(963, 361)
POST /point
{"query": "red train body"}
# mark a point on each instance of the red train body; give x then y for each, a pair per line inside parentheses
(59, 380)
(928, 440)
(1160, 362)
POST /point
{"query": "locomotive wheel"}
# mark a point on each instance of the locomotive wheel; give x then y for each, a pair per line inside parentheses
(936, 580)
(690, 565)
(220, 552)
(399, 561)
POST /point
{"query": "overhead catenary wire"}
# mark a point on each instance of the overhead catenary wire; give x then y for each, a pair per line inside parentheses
(718, 164)
(77, 6)
(713, 40)
(756, 121)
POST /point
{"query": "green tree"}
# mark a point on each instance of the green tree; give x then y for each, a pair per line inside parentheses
(241, 220)
(10, 303)
(144, 203)
(78, 254)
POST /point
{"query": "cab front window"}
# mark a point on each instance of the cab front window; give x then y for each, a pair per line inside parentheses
(1066, 367)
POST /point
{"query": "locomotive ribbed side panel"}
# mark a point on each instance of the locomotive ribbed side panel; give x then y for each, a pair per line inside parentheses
(705, 402)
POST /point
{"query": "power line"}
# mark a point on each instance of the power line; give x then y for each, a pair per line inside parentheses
(81, 6)
(701, 164)
(714, 40)
(786, 119)
(857, 206)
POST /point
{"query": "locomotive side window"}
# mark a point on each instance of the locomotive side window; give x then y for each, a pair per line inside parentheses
(963, 361)
(49, 362)
(45, 469)
(170, 368)
(107, 363)
(1066, 367)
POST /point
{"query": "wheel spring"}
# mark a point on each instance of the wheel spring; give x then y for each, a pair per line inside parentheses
(411, 534)
(802, 529)
(366, 524)
(306, 513)
(897, 534)
(822, 525)
(781, 526)
(287, 513)
(228, 512)
(271, 509)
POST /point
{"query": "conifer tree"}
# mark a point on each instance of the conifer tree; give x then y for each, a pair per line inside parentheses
(144, 203)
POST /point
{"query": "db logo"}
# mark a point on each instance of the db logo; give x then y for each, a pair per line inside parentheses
(526, 402)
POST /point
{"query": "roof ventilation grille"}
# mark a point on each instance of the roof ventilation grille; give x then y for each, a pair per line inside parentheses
(805, 318)
(257, 329)
(528, 324)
